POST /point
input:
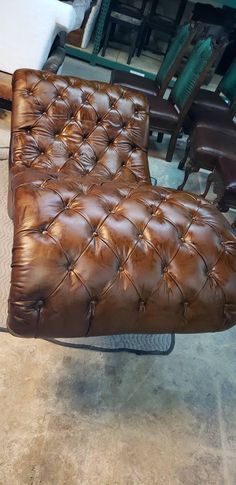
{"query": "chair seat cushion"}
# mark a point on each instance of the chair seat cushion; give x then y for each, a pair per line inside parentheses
(227, 169)
(209, 99)
(210, 145)
(109, 258)
(163, 115)
(133, 81)
(207, 118)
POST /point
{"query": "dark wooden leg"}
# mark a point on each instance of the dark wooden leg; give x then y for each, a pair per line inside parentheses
(106, 38)
(188, 170)
(184, 160)
(148, 35)
(171, 147)
(210, 180)
(133, 47)
(142, 34)
(160, 137)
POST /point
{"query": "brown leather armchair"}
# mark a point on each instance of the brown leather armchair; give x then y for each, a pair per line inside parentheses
(97, 250)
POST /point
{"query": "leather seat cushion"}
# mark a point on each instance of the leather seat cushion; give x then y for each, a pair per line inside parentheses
(118, 258)
(227, 169)
(163, 115)
(207, 118)
(209, 99)
(209, 145)
(133, 81)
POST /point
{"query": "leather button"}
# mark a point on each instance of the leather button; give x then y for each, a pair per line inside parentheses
(39, 303)
(95, 234)
(140, 236)
(44, 232)
(121, 269)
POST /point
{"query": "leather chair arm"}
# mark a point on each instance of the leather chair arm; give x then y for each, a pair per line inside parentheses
(55, 59)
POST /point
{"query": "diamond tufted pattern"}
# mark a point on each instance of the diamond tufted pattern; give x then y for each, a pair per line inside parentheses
(98, 250)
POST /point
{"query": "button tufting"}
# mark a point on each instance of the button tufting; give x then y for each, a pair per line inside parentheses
(39, 304)
(95, 234)
(121, 269)
(140, 236)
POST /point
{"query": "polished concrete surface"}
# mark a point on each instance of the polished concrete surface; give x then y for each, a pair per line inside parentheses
(71, 417)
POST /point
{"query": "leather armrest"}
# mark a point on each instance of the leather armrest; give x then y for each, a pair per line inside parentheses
(55, 59)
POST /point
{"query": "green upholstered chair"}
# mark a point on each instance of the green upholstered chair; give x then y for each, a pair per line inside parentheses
(169, 66)
(168, 115)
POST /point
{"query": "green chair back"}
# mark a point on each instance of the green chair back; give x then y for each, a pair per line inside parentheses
(174, 55)
(227, 85)
(194, 72)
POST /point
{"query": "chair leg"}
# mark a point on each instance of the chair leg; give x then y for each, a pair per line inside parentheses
(106, 40)
(171, 147)
(184, 160)
(148, 35)
(210, 180)
(141, 42)
(160, 137)
(188, 170)
(133, 47)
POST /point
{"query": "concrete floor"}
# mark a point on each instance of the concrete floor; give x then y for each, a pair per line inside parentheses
(71, 417)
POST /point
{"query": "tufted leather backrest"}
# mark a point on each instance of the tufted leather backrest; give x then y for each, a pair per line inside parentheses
(78, 128)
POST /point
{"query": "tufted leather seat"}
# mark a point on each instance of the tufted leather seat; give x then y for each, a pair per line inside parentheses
(97, 250)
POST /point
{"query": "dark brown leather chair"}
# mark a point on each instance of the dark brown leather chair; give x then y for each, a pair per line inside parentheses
(97, 250)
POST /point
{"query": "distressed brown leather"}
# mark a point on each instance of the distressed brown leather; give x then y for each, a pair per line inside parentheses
(97, 250)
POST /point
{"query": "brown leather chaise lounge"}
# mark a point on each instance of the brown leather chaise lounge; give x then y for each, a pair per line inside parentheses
(97, 249)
